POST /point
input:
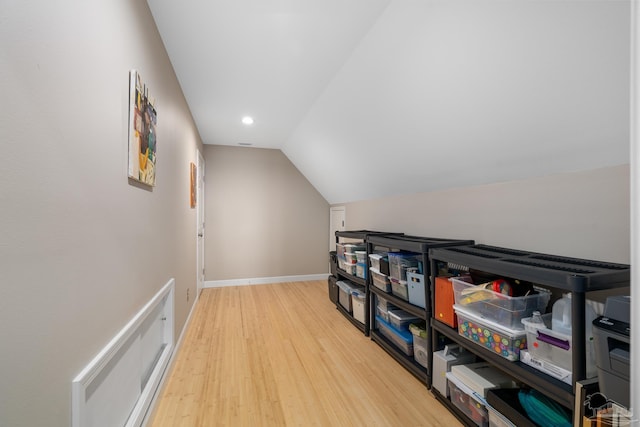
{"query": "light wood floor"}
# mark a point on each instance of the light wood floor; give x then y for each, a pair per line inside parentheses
(282, 355)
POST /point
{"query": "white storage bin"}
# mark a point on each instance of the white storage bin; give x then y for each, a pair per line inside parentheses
(344, 297)
(350, 258)
(374, 259)
(357, 302)
(420, 345)
(556, 347)
(361, 270)
(361, 256)
(380, 280)
(350, 269)
(399, 288)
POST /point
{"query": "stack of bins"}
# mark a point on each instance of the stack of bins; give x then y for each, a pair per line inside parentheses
(492, 319)
(396, 328)
(399, 263)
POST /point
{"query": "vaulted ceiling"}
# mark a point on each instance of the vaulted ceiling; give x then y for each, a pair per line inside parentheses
(371, 98)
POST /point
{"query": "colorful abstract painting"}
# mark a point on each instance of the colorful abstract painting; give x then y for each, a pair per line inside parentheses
(193, 172)
(142, 131)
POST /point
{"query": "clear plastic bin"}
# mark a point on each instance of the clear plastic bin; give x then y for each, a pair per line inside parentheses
(380, 281)
(420, 345)
(465, 400)
(375, 259)
(491, 335)
(399, 262)
(497, 307)
(361, 270)
(350, 269)
(361, 257)
(401, 320)
(344, 296)
(496, 419)
(350, 258)
(382, 308)
(399, 288)
(402, 339)
(357, 302)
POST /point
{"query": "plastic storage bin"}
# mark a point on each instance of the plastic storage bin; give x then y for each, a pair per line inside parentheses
(361, 270)
(357, 302)
(346, 289)
(380, 280)
(382, 308)
(350, 268)
(333, 289)
(464, 399)
(496, 419)
(399, 288)
(401, 320)
(399, 262)
(420, 344)
(375, 259)
(415, 284)
(555, 347)
(350, 258)
(497, 307)
(402, 339)
(491, 335)
(340, 250)
(344, 295)
(361, 256)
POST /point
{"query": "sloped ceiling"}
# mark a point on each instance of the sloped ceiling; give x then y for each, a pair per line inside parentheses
(377, 98)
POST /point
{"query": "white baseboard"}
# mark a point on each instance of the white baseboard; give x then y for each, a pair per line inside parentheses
(263, 280)
(170, 364)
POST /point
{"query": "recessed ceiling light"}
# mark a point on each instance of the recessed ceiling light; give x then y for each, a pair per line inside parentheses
(247, 120)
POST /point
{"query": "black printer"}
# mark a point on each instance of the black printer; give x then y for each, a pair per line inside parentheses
(611, 344)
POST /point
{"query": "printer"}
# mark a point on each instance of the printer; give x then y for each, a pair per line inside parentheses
(611, 344)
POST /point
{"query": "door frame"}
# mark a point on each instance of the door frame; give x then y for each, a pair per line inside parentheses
(332, 237)
(200, 222)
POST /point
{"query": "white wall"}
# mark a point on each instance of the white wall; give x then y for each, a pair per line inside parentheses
(82, 250)
(263, 218)
(581, 214)
(451, 93)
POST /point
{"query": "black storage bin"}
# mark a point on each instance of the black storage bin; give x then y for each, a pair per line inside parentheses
(333, 262)
(333, 289)
(506, 402)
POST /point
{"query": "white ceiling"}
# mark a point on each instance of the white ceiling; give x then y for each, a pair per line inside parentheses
(371, 98)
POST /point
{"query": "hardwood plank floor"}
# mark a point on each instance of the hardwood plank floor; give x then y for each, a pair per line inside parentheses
(282, 355)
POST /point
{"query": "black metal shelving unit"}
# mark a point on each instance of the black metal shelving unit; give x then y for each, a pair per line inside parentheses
(577, 276)
(362, 236)
(421, 246)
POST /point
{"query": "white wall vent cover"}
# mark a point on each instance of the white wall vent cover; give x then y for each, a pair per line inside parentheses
(117, 387)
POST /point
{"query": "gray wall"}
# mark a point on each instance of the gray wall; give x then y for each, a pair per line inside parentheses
(582, 214)
(263, 218)
(82, 250)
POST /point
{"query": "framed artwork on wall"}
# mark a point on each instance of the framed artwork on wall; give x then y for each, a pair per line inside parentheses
(142, 132)
(192, 182)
